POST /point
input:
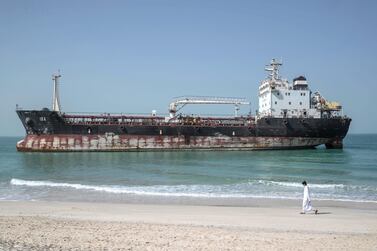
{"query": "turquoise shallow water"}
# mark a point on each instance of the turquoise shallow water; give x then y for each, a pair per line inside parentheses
(348, 174)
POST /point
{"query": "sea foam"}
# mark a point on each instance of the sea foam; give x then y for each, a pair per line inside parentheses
(292, 184)
(251, 189)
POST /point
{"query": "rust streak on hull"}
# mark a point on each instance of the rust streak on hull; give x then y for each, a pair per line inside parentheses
(112, 142)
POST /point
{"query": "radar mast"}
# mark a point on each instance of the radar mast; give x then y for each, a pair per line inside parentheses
(273, 69)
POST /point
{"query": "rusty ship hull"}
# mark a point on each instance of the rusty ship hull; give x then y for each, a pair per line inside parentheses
(50, 131)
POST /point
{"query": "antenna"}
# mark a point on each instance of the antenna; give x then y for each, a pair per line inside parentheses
(55, 97)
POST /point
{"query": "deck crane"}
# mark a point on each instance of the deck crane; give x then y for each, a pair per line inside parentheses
(179, 102)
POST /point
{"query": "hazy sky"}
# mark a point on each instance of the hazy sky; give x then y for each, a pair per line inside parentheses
(134, 56)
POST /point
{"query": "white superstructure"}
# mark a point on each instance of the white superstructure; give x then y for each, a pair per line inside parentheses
(279, 98)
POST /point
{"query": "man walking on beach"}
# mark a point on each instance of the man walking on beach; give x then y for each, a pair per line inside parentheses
(306, 202)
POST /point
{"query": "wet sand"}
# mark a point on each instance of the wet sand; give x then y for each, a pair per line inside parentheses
(271, 225)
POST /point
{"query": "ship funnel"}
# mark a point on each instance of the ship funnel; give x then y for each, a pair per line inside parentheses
(55, 97)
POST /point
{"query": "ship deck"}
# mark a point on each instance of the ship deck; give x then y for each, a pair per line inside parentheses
(137, 120)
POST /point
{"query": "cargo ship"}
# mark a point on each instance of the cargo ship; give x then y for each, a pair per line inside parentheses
(289, 116)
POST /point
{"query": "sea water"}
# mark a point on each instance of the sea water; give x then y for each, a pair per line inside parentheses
(348, 174)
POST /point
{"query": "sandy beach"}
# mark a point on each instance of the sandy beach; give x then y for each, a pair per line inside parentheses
(105, 226)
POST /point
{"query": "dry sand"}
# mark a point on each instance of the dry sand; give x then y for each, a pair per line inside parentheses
(106, 226)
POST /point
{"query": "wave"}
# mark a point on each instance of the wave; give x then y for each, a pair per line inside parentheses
(116, 188)
(251, 189)
(292, 184)
(178, 190)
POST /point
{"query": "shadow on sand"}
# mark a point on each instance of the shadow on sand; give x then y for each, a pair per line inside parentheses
(312, 213)
(324, 213)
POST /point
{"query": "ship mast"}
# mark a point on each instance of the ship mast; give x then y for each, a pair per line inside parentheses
(55, 97)
(273, 69)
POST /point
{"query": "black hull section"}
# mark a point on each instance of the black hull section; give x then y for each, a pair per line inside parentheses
(330, 131)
